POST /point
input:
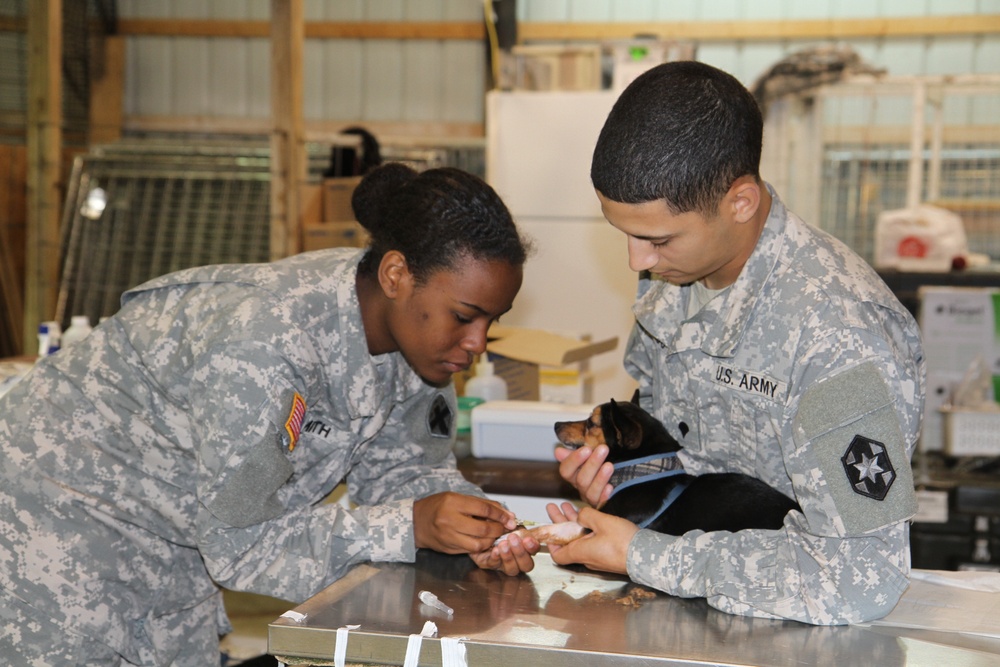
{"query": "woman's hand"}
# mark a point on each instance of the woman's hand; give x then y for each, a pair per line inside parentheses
(587, 470)
(454, 523)
(605, 548)
(512, 555)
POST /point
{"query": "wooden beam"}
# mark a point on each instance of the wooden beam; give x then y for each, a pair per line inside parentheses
(921, 26)
(314, 29)
(288, 155)
(696, 31)
(44, 152)
(314, 130)
(396, 30)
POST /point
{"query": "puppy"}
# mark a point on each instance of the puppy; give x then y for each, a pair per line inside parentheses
(651, 488)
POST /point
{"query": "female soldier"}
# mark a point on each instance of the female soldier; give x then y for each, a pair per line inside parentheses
(187, 442)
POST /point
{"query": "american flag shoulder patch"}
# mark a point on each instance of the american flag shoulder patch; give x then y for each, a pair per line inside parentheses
(293, 425)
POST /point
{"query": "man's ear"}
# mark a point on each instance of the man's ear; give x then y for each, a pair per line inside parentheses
(745, 198)
(394, 274)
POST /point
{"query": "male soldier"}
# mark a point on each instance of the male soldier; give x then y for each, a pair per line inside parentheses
(766, 347)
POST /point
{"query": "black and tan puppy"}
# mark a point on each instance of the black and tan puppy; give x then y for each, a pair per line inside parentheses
(651, 488)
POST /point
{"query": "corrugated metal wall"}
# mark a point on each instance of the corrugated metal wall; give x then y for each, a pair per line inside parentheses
(344, 79)
(443, 80)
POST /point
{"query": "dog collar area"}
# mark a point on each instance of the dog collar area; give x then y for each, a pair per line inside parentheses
(646, 469)
(649, 469)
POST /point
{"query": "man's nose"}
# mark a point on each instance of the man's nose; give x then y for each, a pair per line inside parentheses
(641, 254)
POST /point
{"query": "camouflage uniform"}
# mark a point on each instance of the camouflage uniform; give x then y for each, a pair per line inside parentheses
(188, 441)
(808, 374)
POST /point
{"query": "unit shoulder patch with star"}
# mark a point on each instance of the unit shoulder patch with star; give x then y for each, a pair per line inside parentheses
(868, 468)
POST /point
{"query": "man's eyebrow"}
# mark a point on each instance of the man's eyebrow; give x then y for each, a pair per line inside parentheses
(661, 237)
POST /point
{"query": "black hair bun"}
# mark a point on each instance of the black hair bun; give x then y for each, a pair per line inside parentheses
(370, 197)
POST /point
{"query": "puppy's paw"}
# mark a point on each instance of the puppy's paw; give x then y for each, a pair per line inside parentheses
(552, 533)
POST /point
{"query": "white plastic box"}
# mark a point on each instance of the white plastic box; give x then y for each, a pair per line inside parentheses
(971, 432)
(522, 430)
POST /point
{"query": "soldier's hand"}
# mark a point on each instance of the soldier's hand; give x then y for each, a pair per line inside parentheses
(454, 523)
(512, 555)
(588, 471)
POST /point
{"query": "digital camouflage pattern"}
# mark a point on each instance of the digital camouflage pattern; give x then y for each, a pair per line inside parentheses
(154, 461)
(805, 356)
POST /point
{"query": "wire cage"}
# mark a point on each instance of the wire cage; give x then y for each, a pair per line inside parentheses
(133, 214)
(138, 209)
(841, 154)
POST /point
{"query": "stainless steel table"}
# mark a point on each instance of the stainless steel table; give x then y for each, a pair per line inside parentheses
(557, 616)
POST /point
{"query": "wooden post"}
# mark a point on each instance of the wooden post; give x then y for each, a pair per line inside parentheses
(288, 159)
(44, 125)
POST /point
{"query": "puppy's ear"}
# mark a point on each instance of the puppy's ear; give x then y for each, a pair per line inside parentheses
(635, 397)
(619, 429)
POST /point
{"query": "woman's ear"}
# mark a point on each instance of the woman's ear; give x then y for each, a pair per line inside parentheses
(394, 274)
(745, 197)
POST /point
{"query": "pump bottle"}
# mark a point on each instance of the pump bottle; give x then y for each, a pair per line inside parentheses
(485, 385)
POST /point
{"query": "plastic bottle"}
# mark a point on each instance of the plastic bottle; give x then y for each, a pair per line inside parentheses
(463, 426)
(485, 385)
(79, 327)
(44, 340)
(49, 334)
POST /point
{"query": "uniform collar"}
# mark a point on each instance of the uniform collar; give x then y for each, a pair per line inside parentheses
(370, 382)
(718, 328)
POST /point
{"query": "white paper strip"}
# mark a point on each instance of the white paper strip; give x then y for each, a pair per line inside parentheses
(340, 651)
(453, 652)
(414, 643)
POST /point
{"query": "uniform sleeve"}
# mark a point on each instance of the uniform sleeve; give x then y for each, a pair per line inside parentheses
(252, 535)
(846, 446)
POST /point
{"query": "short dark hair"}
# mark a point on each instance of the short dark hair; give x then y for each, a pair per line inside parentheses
(435, 218)
(683, 132)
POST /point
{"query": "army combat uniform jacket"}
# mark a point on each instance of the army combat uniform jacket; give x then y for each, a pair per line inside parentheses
(808, 374)
(188, 441)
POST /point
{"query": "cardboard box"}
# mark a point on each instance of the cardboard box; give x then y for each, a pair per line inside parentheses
(337, 193)
(321, 235)
(958, 325)
(518, 355)
(311, 203)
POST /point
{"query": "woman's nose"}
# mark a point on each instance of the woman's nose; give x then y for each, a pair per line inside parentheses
(474, 341)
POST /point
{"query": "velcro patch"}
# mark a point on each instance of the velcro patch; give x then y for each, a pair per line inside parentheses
(440, 418)
(852, 432)
(293, 425)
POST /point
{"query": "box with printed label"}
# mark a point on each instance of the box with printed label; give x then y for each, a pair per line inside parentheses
(959, 326)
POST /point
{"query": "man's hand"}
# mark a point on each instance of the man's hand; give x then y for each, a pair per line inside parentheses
(605, 548)
(587, 470)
